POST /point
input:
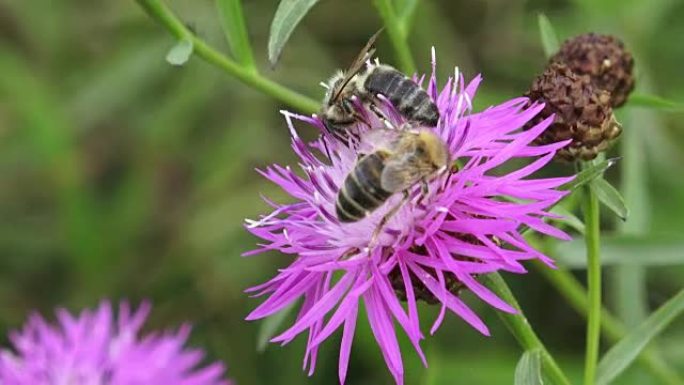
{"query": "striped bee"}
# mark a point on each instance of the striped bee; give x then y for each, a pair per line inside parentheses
(401, 159)
(366, 82)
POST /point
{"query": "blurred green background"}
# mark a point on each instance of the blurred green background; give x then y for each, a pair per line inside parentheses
(124, 177)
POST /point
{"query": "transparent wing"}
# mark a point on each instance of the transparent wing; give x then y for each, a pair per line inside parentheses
(366, 53)
(381, 138)
(399, 175)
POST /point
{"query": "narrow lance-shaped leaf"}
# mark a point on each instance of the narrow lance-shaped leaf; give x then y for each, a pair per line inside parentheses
(528, 370)
(180, 53)
(588, 174)
(610, 196)
(654, 101)
(620, 356)
(549, 37)
(287, 16)
(233, 23)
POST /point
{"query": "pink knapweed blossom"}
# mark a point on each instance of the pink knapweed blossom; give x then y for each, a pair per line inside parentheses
(97, 347)
(467, 225)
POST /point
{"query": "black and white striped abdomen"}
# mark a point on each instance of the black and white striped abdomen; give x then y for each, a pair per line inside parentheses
(406, 96)
(361, 192)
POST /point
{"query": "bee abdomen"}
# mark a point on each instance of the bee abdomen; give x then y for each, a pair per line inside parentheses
(411, 100)
(361, 192)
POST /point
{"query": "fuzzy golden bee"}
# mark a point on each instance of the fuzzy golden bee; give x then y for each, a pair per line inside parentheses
(401, 158)
(368, 81)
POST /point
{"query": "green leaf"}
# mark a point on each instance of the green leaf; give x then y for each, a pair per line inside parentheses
(180, 53)
(620, 356)
(521, 329)
(233, 23)
(625, 250)
(655, 102)
(287, 16)
(611, 197)
(588, 174)
(549, 37)
(528, 370)
(269, 327)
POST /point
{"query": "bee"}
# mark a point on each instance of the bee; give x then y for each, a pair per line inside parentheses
(401, 159)
(365, 82)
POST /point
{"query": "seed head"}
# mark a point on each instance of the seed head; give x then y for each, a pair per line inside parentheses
(582, 113)
(604, 59)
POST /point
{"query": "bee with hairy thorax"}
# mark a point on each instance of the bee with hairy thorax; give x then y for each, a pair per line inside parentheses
(400, 159)
(338, 112)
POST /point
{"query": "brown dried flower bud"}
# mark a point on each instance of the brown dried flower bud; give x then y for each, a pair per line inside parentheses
(582, 113)
(604, 59)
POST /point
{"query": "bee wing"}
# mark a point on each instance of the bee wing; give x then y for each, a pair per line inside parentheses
(399, 175)
(381, 138)
(366, 53)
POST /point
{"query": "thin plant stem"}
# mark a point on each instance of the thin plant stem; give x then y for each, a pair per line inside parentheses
(592, 238)
(397, 31)
(613, 329)
(522, 331)
(160, 12)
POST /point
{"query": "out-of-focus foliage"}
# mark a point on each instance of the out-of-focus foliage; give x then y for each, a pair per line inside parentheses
(124, 176)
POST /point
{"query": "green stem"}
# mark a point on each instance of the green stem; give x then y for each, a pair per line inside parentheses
(158, 11)
(591, 221)
(573, 291)
(522, 331)
(397, 31)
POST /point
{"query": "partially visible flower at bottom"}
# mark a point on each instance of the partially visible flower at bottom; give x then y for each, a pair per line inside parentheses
(97, 348)
(437, 244)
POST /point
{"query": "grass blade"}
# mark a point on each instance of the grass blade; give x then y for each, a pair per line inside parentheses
(620, 356)
(287, 16)
(233, 23)
(549, 38)
(610, 197)
(528, 370)
(655, 102)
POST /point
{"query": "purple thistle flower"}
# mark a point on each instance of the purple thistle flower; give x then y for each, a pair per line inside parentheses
(429, 250)
(96, 348)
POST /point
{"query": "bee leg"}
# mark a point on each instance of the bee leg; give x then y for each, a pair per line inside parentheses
(424, 190)
(325, 147)
(385, 219)
(384, 118)
(424, 187)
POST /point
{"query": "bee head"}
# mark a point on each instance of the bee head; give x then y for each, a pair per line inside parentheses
(433, 149)
(331, 86)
